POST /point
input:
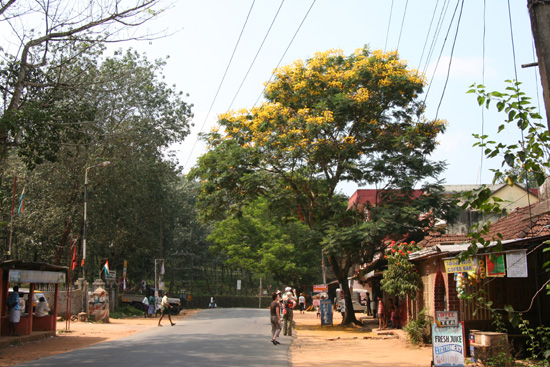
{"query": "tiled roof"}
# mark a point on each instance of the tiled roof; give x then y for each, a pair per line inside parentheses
(520, 223)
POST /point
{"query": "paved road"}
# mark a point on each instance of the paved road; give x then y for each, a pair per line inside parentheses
(214, 337)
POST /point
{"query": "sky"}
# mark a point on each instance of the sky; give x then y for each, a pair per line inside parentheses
(219, 74)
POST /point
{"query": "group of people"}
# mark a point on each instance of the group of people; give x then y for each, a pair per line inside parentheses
(14, 310)
(388, 315)
(282, 312)
(151, 306)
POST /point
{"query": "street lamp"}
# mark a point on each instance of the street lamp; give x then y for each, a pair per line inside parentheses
(85, 285)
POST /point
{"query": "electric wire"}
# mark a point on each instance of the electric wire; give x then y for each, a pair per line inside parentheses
(483, 83)
(220, 85)
(256, 56)
(287, 48)
(389, 23)
(427, 36)
(402, 23)
(438, 28)
(441, 52)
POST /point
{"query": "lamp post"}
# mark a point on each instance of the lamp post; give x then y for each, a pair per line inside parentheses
(85, 285)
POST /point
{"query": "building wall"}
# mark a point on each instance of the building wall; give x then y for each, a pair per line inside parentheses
(76, 301)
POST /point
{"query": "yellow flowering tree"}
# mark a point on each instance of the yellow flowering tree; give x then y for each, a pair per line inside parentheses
(326, 120)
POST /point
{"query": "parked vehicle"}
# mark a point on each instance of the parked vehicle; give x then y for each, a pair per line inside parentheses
(357, 299)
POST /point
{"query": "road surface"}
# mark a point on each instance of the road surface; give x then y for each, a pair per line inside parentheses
(212, 338)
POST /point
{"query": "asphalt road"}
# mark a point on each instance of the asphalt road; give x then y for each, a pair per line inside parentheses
(214, 337)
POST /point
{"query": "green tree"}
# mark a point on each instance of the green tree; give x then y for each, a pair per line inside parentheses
(261, 241)
(53, 36)
(131, 204)
(330, 119)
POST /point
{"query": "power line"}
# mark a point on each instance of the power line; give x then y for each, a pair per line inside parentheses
(389, 23)
(287, 48)
(257, 53)
(402, 23)
(441, 52)
(439, 26)
(450, 58)
(221, 82)
(427, 36)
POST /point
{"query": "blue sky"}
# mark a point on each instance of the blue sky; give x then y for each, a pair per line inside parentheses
(205, 34)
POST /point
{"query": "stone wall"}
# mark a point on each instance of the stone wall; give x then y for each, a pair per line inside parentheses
(76, 301)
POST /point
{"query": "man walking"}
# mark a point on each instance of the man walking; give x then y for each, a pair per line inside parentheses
(165, 306)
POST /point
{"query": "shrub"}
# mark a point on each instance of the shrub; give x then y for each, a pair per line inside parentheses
(418, 331)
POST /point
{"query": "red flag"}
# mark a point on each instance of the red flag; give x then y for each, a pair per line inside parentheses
(74, 262)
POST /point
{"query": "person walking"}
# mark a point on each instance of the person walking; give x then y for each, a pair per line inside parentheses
(275, 317)
(145, 304)
(302, 303)
(165, 306)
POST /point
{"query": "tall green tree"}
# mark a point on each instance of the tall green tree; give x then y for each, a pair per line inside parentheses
(330, 119)
(133, 118)
(50, 37)
(261, 241)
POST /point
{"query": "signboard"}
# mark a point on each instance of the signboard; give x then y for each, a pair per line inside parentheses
(454, 266)
(495, 268)
(238, 284)
(446, 318)
(326, 312)
(448, 346)
(37, 276)
(320, 288)
(516, 264)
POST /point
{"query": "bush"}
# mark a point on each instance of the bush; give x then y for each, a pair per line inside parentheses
(418, 330)
(125, 311)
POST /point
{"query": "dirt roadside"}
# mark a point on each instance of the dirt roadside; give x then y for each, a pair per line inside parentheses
(312, 345)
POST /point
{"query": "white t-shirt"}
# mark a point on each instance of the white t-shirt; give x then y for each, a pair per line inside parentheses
(302, 299)
(41, 309)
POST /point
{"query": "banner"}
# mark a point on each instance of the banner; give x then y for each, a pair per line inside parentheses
(516, 264)
(455, 266)
(495, 268)
(320, 288)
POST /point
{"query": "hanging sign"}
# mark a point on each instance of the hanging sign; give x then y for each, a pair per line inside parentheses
(495, 268)
(455, 266)
(516, 264)
(320, 288)
(448, 346)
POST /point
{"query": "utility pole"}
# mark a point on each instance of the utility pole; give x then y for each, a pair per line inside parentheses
(539, 12)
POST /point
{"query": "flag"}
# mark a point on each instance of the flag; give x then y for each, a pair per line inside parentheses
(74, 262)
(21, 199)
(106, 268)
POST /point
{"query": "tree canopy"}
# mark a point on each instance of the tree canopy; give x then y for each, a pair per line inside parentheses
(330, 119)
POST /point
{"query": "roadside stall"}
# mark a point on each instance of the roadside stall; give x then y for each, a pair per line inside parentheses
(17, 272)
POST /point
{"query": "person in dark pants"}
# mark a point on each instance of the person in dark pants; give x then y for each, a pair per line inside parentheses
(275, 317)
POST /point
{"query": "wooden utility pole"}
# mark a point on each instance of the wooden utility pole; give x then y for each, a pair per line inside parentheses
(539, 12)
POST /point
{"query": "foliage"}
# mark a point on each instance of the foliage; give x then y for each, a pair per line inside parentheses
(401, 278)
(330, 119)
(530, 155)
(125, 311)
(259, 241)
(37, 71)
(134, 205)
(418, 330)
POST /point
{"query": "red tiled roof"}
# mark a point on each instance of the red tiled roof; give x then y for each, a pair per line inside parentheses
(520, 223)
